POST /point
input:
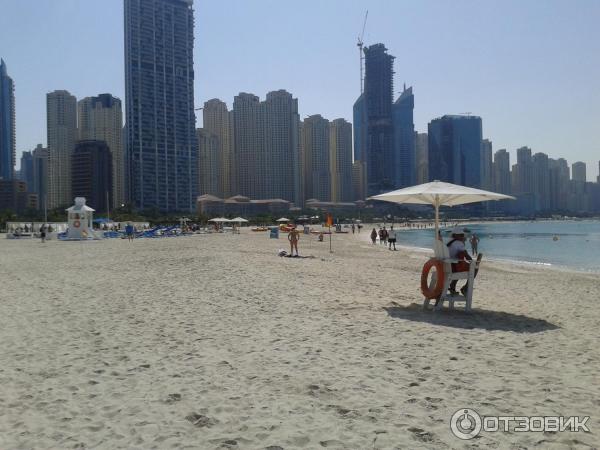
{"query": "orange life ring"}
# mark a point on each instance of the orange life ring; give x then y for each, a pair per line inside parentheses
(435, 291)
(77, 224)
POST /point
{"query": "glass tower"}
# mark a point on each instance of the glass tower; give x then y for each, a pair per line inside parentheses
(159, 83)
(7, 124)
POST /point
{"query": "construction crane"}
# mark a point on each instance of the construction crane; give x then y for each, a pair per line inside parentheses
(360, 50)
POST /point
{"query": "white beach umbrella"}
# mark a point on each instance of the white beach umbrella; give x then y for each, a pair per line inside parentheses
(219, 220)
(283, 219)
(438, 193)
(239, 220)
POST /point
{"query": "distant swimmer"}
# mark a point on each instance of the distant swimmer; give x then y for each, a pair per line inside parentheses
(555, 238)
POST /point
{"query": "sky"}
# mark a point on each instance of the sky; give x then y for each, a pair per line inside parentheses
(530, 69)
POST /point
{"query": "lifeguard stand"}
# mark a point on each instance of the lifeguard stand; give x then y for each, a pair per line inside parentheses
(80, 218)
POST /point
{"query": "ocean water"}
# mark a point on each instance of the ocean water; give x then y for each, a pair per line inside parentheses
(576, 246)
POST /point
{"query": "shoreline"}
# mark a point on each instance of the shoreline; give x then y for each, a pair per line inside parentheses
(540, 265)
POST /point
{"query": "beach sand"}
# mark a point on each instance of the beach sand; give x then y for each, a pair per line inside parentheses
(213, 341)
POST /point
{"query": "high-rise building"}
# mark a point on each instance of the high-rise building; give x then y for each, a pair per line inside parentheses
(487, 180)
(40, 175)
(8, 134)
(61, 115)
(422, 151)
(216, 121)
(26, 173)
(340, 157)
(101, 118)
(378, 151)
(501, 172)
(404, 139)
(248, 148)
(316, 163)
(578, 172)
(91, 173)
(523, 172)
(541, 181)
(159, 83)
(267, 146)
(14, 196)
(209, 163)
(282, 146)
(360, 131)
(559, 184)
(359, 180)
(455, 150)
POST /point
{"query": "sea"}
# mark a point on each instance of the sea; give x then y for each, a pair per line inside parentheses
(570, 244)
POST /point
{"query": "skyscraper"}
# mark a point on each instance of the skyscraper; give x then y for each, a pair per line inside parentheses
(282, 146)
(340, 157)
(559, 184)
(359, 128)
(248, 146)
(216, 120)
(501, 169)
(27, 173)
(61, 115)
(101, 118)
(422, 151)
(91, 173)
(209, 163)
(455, 150)
(404, 139)
(578, 172)
(541, 181)
(159, 84)
(8, 139)
(378, 151)
(316, 164)
(267, 146)
(487, 182)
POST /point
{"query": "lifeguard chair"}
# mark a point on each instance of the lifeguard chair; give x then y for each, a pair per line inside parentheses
(443, 261)
(80, 218)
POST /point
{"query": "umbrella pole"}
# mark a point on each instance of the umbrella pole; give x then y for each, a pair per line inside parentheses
(437, 217)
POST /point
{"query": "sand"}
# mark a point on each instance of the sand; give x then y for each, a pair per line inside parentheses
(213, 341)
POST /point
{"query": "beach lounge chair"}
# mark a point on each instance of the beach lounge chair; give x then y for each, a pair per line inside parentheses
(441, 252)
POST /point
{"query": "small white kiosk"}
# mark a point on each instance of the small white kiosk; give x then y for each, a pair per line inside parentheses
(80, 218)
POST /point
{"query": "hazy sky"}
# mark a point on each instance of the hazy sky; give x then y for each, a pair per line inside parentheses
(530, 69)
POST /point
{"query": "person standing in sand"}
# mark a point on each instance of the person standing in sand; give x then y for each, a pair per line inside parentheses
(43, 233)
(294, 237)
(374, 236)
(474, 243)
(392, 238)
(129, 232)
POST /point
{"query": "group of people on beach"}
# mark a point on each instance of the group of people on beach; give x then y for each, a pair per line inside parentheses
(386, 237)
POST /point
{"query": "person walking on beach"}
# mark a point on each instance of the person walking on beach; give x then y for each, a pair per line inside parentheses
(293, 237)
(385, 236)
(129, 232)
(474, 244)
(392, 238)
(374, 236)
(352, 228)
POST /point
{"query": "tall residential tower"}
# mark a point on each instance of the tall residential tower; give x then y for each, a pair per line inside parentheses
(101, 118)
(7, 124)
(61, 114)
(159, 84)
